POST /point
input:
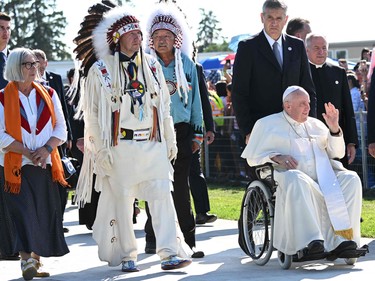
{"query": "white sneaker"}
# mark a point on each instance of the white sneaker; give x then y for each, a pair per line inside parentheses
(129, 266)
(174, 262)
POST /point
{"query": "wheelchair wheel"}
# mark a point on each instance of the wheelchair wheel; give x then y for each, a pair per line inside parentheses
(285, 261)
(257, 223)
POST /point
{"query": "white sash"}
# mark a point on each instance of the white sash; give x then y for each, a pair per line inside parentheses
(330, 187)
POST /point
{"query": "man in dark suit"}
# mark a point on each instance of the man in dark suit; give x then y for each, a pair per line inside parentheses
(6, 233)
(331, 85)
(298, 27)
(4, 40)
(54, 81)
(263, 70)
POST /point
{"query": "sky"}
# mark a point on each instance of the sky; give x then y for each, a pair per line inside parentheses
(338, 20)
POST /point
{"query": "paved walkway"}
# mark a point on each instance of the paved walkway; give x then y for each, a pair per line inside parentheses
(224, 260)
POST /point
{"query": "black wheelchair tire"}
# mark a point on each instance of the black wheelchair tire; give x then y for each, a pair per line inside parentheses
(257, 222)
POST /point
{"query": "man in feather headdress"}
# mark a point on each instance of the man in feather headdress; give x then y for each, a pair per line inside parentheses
(129, 141)
(167, 33)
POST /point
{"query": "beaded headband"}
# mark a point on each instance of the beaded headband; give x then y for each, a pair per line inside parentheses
(116, 23)
(121, 27)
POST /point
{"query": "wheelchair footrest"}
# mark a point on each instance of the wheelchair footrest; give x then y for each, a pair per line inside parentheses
(359, 252)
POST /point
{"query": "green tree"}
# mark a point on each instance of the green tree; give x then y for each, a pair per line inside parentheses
(37, 25)
(223, 47)
(208, 30)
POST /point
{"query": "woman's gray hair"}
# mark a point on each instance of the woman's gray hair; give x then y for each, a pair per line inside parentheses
(13, 66)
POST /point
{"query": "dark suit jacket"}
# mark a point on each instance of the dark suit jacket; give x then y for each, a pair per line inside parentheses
(371, 111)
(206, 106)
(3, 82)
(259, 83)
(55, 82)
(331, 85)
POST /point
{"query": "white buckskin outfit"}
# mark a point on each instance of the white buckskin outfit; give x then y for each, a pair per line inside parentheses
(128, 145)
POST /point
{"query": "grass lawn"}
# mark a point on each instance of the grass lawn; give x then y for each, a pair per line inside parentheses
(226, 201)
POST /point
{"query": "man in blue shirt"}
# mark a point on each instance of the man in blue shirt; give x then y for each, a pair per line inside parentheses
(169, 44)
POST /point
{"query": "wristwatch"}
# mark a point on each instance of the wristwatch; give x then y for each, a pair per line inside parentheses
(48, 147)
(335, 134)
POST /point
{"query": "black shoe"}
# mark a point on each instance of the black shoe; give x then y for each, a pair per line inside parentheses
(150, 248)
(197, 254)
(344, 246)
(66, 230)
(314, 247)
(205, 218)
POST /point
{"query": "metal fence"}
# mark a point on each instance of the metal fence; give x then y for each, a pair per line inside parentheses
(222, 159)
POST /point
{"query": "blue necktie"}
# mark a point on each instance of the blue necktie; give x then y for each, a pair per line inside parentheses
(277, 53)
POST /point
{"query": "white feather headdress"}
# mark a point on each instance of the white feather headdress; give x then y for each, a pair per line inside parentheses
(115, 23)
(168, 16)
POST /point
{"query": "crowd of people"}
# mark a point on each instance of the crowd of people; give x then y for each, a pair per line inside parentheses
(135, 114)
(348, 89)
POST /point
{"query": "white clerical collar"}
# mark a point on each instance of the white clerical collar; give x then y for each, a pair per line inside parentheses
(317, 65)
(291, 120)
(271, 41)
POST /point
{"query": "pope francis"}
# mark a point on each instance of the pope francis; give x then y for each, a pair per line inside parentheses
(318, 201)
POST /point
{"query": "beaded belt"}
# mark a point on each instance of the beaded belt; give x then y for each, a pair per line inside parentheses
(137, 135)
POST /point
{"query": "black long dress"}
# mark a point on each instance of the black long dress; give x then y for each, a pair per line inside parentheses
(35, 214)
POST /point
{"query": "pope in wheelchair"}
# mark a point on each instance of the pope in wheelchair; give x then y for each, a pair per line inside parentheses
(317, 210)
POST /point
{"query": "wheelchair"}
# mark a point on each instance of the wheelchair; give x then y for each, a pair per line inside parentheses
(257, 220)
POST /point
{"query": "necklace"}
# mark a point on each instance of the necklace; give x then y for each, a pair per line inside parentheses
(134, 88)
(304, 127)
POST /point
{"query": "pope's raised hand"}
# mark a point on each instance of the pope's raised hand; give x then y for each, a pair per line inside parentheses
(331, 117)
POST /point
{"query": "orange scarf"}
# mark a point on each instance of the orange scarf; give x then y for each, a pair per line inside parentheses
(12, 118)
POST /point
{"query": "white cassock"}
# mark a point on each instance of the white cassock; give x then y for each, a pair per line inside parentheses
(301, 214)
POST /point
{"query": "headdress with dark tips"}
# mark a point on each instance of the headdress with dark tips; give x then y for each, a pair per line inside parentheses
(98, 37)
(85, 49)
(100, 32)
(167, 15)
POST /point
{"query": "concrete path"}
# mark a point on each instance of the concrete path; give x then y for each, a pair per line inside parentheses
(224, 260)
